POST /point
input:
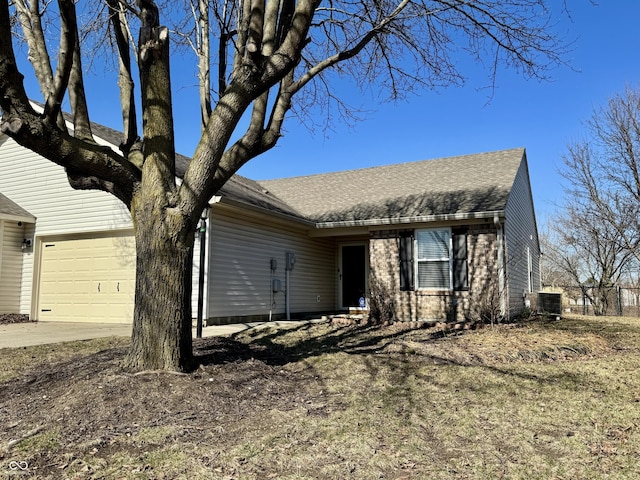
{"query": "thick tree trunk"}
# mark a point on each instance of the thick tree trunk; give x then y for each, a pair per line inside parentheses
(161, 338)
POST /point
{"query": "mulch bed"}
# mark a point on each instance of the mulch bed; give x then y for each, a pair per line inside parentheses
(6, 318)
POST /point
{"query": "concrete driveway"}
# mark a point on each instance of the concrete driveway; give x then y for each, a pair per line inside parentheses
(41, 333)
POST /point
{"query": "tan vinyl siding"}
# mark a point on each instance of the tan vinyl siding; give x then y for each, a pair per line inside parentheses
(11, 235)
(521, 239)
(241, 249)
(41, 187)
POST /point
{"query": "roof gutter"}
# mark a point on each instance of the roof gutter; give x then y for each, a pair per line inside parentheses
(372, 222)
(446, 217)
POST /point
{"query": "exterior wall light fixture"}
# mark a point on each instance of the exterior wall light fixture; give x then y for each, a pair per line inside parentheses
(27, 243)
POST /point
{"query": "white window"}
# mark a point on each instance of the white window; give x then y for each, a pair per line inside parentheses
(433, 259)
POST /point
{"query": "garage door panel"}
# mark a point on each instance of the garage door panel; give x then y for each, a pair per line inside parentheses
(88, 280)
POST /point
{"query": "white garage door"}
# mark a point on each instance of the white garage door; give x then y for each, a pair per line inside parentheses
(88, 280)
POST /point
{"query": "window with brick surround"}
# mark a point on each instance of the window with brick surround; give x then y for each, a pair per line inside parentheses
(433, 259)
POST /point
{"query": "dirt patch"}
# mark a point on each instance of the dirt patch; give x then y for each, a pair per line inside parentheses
(89, 407)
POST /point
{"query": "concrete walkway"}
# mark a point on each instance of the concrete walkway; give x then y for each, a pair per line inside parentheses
(41, 333)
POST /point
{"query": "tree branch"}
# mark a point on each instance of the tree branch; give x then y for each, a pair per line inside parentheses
(77, 97)
(158, 169)
(13, 97)
(31, 23)
(20, 121)
(256, 21)
(244, 19)
(68, 39)
(204, 62)
(125, 80)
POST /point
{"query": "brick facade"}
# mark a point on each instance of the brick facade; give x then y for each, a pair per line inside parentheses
(481, 300)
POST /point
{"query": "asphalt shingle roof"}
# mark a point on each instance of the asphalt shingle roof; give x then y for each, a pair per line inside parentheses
(250, 192)
(115, 138)
(8, 207)
(238, 188)
(455, 185)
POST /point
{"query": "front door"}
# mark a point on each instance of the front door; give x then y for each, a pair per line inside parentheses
(353, 274)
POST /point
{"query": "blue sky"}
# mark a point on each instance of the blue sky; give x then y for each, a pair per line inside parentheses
(540, 116)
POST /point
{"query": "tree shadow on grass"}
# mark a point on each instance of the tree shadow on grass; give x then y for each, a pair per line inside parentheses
(380, 348)
(267, 345)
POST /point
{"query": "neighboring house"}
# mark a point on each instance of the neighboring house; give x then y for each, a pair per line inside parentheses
(450, 238)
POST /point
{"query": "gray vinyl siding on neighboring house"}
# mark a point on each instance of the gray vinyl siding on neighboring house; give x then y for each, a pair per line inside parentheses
(522, 244)
(241, 249)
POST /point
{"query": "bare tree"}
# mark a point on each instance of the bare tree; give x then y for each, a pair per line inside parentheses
(586, 250)
(552, 272)
(265, 54)
(598, 233)
(603, 171)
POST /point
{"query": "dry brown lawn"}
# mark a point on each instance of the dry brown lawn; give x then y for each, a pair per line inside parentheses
(534, 400)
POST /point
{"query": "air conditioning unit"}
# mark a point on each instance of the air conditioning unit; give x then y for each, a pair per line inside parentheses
(550, 303)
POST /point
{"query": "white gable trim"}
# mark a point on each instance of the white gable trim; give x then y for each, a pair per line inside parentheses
(17, 218)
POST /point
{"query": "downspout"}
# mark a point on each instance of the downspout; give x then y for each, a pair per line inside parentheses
(290, 260)
(273, 266)
(501, 267)
(271, 294)
(286, 294)
(202, 231)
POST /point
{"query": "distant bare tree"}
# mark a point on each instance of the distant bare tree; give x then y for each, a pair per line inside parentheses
(588, 252)
(603, 171)
(597, 235)
(552, 274)
(253, 58)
